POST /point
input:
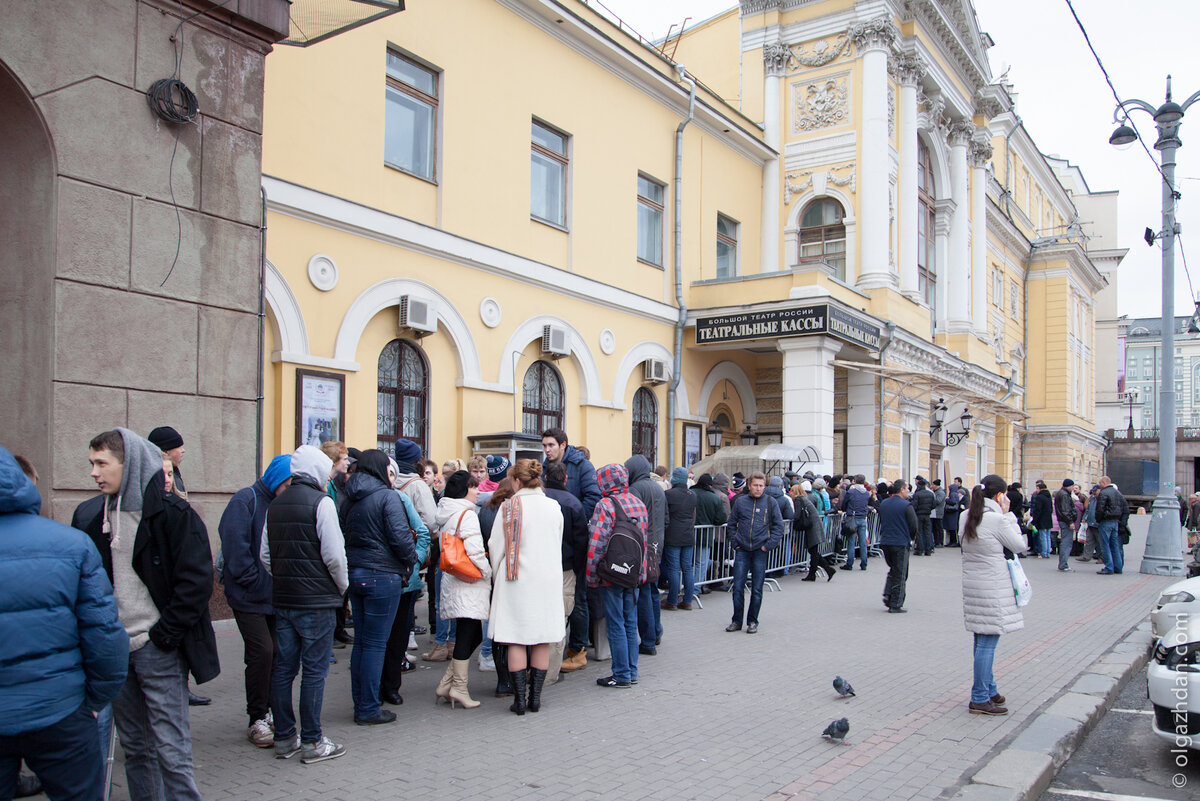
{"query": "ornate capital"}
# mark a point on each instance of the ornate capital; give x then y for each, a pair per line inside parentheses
(988, 107)
(959, 132)
(875, 34)
(775, 59)
(979, 153)
(907, 68)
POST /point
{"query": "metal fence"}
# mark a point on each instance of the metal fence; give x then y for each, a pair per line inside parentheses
(712, 559)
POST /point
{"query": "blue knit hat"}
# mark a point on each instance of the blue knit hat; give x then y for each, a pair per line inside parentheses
(679, 477)
(278, 471)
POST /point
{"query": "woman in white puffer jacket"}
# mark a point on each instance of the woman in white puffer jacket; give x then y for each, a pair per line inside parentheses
(989, 604)
(467, 602)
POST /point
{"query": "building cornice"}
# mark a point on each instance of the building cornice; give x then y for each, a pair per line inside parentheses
(337, 213)
(617, 53)
(953, 33)
(1081, 270)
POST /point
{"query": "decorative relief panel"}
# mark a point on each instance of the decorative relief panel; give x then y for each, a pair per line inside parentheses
(842, 175)
(891, 111)
(821, 52)
(823, 104)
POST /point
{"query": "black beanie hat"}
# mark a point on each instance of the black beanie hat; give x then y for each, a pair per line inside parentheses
(165, 438)
(456, 485)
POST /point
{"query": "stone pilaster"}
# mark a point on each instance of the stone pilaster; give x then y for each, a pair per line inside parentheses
(980, 152)
(807, 385)
(775, 62)
(909, 71)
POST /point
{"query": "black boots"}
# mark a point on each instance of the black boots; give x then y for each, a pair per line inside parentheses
(518, 686)
(503, 681)
(536, 679)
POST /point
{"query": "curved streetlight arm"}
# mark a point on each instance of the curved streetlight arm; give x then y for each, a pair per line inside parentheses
(1184, 105)
(1121, 113)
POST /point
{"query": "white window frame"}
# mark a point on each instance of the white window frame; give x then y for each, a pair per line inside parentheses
(537, 149)
(661, 208)
(395, 84)
(733, 244)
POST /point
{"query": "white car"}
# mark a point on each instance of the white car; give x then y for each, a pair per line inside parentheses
(1173, 683)
(1182, 597)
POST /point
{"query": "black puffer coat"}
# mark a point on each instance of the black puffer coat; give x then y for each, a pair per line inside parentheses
(375, 524)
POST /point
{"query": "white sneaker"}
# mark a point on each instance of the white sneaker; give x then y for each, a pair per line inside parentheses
(261, 733)
(412, 642)
(487, 664)
(321, 750)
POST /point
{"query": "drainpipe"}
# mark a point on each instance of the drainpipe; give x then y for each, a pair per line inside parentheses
(262, 321)
(677, 361)
(887, 343)
(1007, 168)
(1025, 335)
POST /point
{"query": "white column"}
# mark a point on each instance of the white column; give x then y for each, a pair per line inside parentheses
(775, 61)
(807, 384)
(910, 70)
(981, 153)
(862, 421)
(944, 209)
(958, 266)
(874, 40)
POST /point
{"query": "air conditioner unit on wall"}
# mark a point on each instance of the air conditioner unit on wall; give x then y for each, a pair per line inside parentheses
(418, 314)
(656, 371)
(554, 341)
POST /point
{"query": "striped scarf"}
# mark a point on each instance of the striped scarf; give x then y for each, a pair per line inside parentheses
(513, 524)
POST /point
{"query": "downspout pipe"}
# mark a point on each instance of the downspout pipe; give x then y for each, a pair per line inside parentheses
(681, 321)
(889, 336)
(262, 322)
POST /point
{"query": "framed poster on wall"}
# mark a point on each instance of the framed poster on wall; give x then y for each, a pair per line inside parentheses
(320, 405)
(692, 439)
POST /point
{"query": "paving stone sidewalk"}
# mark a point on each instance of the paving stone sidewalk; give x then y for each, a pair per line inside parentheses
(716, 715)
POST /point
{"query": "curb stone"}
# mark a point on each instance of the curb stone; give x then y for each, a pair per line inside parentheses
(1022, 768)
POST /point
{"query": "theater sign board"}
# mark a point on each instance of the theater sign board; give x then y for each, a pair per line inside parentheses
(813, 318)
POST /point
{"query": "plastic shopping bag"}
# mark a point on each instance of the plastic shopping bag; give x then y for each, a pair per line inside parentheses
(1021, 586)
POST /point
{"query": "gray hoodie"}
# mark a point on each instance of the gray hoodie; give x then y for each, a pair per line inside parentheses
(651, 494)
(311, 462)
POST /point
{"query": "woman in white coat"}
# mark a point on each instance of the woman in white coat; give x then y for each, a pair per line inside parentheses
(527, 600)
(989, 604)
(465, 602)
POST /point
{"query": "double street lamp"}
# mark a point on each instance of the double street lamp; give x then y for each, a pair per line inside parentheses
(1164, 545)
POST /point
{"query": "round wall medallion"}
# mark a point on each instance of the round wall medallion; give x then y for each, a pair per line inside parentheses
(322, 272)
(489, 312)
(608, 341)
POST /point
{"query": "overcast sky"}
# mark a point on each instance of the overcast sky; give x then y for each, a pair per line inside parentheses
(1067, 107)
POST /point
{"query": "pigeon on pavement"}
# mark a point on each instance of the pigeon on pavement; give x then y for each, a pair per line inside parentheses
(836, 731)
(842, 687)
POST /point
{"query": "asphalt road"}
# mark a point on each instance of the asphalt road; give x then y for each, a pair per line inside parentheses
(1123, 760)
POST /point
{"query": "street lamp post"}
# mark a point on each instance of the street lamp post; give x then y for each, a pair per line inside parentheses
(1131, 396)
(1164, 545)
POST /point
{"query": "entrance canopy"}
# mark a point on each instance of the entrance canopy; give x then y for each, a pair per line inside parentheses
(773, 459)
(947, 384)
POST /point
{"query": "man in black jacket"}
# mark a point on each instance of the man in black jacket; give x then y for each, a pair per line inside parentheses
(1041, 514)
(923, 501)
(1112, 515)
(574, 551)
(155, 549)
(1064, 508)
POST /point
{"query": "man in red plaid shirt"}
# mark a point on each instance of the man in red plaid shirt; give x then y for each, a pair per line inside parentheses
(620, 603)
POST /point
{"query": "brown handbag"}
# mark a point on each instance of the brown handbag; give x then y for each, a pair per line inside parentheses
(454, 559)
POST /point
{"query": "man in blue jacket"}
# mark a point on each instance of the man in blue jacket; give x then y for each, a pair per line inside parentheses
(248, 589)
(755, 527)
(898, 528)
(53, 583)
(581, 482)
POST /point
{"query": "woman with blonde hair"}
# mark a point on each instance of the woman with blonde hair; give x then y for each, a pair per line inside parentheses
(465, 601)
(989, 606)
(527, 603)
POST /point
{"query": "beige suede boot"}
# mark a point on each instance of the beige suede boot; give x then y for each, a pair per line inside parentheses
(443, 688)
(458, 686)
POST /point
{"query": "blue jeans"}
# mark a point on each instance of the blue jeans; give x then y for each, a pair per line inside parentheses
(620, 613)
(485, 648)
(1066, 539)
(151, 713)
(1110, 546)
(649, 614)
(63, 755)
(984, 685)
(303, 637)
(754, 564)
(577, 639)
(860, 537)
(1044, 541)
(374, 599)
(679, 563)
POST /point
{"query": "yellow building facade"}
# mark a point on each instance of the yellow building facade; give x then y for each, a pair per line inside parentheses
(826, 230)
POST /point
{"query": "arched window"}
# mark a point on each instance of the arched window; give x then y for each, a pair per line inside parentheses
(645, 424)
(926, 226)
(403, 399)
(823, 234)
(542, 399)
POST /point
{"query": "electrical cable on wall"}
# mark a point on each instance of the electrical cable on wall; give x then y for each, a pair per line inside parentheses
(172, 101)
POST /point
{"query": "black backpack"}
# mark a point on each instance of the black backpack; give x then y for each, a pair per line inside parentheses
(622, 562)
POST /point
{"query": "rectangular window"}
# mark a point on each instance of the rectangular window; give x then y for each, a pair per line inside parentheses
(410, 119)
(548, 175)
(650, 221)
(727, 241)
